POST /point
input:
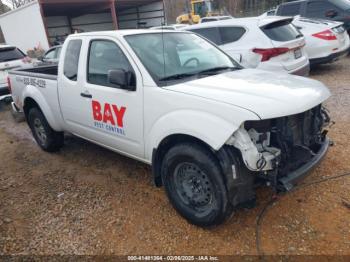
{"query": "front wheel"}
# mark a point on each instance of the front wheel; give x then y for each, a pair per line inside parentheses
(195, 186)
(48, 139)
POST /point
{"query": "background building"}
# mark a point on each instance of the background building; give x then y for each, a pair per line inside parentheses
(43, 22)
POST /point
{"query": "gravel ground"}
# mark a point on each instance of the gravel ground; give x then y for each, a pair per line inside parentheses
(89, 201)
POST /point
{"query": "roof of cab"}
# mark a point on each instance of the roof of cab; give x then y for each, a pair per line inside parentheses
(124, 32)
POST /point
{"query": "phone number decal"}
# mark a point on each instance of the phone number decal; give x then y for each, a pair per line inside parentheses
(34, 82)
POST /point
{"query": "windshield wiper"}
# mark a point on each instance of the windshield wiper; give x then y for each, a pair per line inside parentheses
(184, 75)
(216, 69)
(176, 77)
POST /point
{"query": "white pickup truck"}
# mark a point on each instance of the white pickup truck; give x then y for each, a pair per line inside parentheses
(211, 130)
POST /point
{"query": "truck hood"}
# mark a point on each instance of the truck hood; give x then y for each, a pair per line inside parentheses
(269, 95)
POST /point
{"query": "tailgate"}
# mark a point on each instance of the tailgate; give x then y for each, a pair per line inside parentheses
(283, 34)
(3, 77)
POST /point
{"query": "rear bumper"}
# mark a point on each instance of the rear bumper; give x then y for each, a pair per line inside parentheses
(329, 59)
(303, 71)
(287, 182)
(4, 90)
(15, 109)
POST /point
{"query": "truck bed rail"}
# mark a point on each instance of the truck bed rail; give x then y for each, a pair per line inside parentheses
(45, 72)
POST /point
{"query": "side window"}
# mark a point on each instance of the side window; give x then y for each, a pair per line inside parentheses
(319, 9)
(105, 56)
(50, 54)
(58, 53)
(211, 34)
(71, 60)
(290, 9)
(231, 34)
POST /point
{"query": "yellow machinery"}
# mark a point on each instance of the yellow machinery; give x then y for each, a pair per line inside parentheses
(199, 9)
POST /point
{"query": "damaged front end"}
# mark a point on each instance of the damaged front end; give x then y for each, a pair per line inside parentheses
(281, 151)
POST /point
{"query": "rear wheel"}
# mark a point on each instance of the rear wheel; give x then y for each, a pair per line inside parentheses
(195, 185)
(48, 139)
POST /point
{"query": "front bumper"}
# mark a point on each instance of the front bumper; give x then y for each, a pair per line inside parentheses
(329, 59)
(287, 182)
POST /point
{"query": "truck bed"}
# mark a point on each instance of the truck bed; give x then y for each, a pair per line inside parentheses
(46, 72)
(41, 83)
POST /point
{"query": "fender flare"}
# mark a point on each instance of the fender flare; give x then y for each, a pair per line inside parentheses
(32, 93)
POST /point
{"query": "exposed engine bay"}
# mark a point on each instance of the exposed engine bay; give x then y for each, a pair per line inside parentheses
(276, 147)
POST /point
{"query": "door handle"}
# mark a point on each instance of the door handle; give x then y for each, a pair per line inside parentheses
(86, 95)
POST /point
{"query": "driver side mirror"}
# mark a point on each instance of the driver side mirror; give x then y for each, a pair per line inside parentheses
(331, 13)
(122, 79)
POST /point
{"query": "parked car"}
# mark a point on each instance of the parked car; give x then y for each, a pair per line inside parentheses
(215, 18)
(270, 43)
(10, 58)
(169, 27)
(51, 56)
(326, 41)
(271, 12)
(210, 129)
(337, 10)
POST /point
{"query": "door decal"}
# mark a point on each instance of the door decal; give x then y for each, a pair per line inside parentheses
(109, 117)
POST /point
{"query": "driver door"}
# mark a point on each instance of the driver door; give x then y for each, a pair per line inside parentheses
(116, 114)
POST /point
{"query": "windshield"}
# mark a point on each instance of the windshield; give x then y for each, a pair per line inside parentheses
(185, 55)
(10, 54)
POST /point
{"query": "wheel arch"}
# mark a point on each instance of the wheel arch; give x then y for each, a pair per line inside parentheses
(168, 142)
(40, 103)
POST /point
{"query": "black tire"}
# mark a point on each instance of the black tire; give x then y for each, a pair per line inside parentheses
(48, 139)
(195, 186)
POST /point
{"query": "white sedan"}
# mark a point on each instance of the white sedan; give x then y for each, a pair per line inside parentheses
(270, 43)
(326, 41)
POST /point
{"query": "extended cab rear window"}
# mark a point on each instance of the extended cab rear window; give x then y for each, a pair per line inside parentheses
(282, 31)
(10, 54)
(71, 60)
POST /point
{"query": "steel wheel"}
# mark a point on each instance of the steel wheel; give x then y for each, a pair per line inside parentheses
(194, 187)
(40, 131)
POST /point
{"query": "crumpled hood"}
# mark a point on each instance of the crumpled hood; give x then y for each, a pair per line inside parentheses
(267, 94)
